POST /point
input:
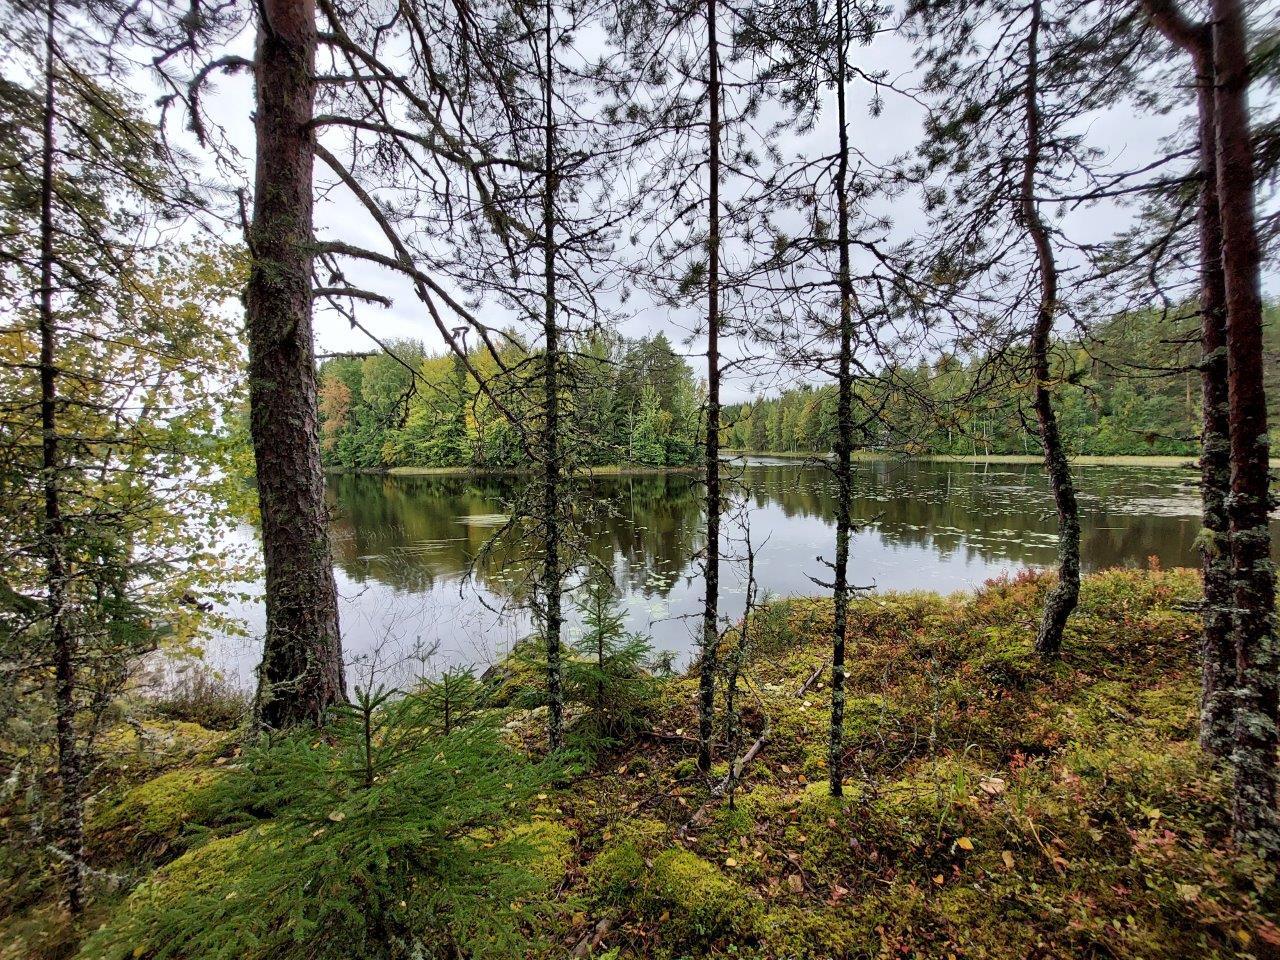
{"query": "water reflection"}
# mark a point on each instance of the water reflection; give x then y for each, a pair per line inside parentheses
(412, 571)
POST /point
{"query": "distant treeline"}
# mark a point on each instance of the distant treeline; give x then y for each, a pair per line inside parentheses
(625, 401)
(1131, 388)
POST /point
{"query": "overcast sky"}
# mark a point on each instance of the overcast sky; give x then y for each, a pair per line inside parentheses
(1129, 140)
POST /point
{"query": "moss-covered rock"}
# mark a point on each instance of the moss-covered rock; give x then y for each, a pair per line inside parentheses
(694, 900)
(147, 820)
(619, 868)
(701, 904)
(138, 929)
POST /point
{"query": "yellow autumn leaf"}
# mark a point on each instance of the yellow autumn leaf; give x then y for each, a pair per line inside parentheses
(964, 843)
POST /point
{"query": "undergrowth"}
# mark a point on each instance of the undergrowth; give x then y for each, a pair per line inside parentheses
(998, 806)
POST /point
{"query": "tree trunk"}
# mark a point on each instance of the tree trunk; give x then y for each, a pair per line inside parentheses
(1062, 598)
(711, 569)
(844, 429)
(70, 774)
(551, 582)
(1217, 646)
(1218, 655)
(302, 672)
(1254, 810)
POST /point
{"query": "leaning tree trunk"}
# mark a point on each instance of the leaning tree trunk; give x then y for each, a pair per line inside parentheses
(844, 429)
(70, 774)
(302, 672)
(551, 581)
(711, 571)
(1062, 598)
(1254, 810)
(1217, 647)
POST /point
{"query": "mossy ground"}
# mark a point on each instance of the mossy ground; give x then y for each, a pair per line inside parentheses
(996, 805)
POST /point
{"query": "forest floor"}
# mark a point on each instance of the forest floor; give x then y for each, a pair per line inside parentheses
(996, 806)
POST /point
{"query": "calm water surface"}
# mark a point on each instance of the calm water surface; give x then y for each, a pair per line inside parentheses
(413, 576)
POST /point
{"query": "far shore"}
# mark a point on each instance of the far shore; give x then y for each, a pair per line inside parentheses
(1183, 461)
(603, 470)
(866, 456)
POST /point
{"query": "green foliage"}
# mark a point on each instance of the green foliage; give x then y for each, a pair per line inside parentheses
(375, 838)
(608, 671)
(452, 699)
(627, 401)
(1110, 400)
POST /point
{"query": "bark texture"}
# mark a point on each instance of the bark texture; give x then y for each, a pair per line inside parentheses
(844, 430)
(1254, 754)
(711, 569)
(551, 581)
(1217, 647)
(302, 671)
(1218, 655)
(70, 773)
(1064, 595)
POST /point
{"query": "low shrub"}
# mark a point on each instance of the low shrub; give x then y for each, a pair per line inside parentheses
(384, 842)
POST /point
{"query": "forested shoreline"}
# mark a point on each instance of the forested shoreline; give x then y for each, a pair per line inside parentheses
(632, 402)
(1131, 389)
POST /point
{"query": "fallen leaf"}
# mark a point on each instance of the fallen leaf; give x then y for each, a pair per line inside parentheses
(992, 785)
(1007, 857)
(964, 843)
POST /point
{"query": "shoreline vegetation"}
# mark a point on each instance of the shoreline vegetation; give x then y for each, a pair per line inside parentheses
(639, 469)
(604, 470)
(984, 779)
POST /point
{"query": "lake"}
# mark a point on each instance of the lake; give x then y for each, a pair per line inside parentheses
(415, 578)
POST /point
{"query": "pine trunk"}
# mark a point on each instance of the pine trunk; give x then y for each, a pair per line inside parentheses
(1062, 598)
(1254, 755)
(844, 430)
(302, 671)
(711, 570)
(551, 582)
(1217, 652)
(70, 773)
(1217, 646)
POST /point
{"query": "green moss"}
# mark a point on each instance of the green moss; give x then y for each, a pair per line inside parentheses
(148, 819)
(685, 769)
(552, 844)
(695, 902)
(618, 870)
(815, 932)
(700, 903)
(138, 928)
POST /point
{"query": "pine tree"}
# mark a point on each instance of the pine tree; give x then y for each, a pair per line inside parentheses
(301, 676)
(608, 673)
